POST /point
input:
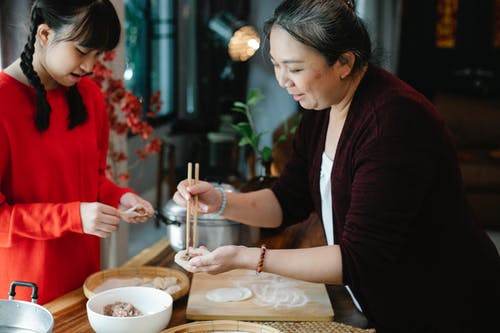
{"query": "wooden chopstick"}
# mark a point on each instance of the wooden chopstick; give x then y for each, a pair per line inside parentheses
(193, 208)
(188, 210)
(195, 211)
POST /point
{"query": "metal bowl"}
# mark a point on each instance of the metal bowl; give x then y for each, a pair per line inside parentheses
(22, 316)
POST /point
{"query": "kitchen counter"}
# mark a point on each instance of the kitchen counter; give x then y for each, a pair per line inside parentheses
(70, 314)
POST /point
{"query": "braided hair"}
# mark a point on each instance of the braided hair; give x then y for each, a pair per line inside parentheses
(329, 26)
(95, 25)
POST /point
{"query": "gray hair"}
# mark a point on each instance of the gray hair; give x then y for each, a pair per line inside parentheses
(329, 26)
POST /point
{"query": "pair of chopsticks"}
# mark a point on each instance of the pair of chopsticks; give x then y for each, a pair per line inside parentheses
(195, 208)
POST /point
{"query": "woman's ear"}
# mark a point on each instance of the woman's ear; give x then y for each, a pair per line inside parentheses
(346, 62)
(43, 33)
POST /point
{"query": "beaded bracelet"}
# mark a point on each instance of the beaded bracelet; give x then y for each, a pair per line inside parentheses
(260, 265)
(224, 201)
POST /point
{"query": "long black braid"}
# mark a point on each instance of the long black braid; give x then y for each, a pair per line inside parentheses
(96, 26)
(42, 117)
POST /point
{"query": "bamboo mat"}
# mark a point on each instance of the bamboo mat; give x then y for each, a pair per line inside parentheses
(314, 326)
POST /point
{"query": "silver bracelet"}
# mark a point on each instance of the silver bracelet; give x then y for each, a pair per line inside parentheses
(224, 200)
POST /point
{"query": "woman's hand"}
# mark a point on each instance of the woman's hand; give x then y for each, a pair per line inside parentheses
(222, 259)
(209, 198)
(99, 219)
(129, 200)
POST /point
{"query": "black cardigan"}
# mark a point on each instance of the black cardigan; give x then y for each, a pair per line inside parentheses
(411, 251)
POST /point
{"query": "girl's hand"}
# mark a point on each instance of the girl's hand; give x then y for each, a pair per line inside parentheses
(130, 200)
(209, 198)
(99, 219)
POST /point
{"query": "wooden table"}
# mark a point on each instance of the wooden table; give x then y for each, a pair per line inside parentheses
(70, 314)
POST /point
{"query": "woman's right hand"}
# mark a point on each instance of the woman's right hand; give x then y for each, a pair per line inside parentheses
(99, 219)
(209, 198)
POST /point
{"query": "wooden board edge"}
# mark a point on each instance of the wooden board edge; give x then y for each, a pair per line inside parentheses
(255, 318)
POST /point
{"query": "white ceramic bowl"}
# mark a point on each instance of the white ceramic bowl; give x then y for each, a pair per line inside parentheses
(155, 305)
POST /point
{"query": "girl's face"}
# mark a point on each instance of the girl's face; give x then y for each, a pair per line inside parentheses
(63, 62)
(304, 72)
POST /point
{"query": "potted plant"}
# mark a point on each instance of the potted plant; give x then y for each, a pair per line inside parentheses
(249, 136)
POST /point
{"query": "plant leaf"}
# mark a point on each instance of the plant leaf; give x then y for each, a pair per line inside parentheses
(282, 137)
(254, 96)
(244, 129)
(256, 140)
(245, 141)
(266, 154)
(238, 109)
(240, 105)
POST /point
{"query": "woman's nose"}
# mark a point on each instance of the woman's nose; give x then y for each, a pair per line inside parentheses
(283, 79)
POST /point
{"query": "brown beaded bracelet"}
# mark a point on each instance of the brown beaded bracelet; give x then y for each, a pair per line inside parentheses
(260, 265)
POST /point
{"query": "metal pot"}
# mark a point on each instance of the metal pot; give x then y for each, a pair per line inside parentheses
(22, 316)
(213, 230)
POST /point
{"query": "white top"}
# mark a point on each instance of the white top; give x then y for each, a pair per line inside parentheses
(325, 186)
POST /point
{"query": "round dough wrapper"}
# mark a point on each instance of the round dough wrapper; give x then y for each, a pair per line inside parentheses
(180, 257)
(222, 295)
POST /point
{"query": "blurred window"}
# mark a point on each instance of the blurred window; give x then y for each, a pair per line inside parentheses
(149, 50)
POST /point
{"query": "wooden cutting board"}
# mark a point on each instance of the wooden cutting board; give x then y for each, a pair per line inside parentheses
(274, 298)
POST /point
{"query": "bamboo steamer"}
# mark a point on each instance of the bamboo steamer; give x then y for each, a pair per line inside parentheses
(98, 278)
(232, 326)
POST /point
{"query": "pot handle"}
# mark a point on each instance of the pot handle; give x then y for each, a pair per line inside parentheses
(34, 287)
(165, 220)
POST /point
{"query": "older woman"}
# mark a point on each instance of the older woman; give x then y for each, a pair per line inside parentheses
(373, 158)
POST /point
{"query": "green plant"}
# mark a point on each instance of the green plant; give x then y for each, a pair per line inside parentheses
(249, 136)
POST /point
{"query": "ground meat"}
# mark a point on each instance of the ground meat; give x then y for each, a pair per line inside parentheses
(121, 309)
(190, 255)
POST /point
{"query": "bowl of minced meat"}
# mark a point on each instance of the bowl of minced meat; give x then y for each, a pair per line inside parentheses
(130, 309)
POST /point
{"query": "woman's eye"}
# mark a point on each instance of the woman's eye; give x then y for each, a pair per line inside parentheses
(293, 70)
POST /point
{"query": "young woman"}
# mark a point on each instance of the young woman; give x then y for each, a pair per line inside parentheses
(375, 161)
(55, 201)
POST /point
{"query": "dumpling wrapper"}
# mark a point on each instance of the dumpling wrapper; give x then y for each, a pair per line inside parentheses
(222, 295)
(134, 211)
(181, 260)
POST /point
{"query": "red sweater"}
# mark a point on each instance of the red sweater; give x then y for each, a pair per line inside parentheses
(43, 179)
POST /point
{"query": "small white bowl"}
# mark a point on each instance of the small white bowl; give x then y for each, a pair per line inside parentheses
(155, 305)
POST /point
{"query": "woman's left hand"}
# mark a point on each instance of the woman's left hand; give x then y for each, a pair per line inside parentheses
(129, 200)
(222, 259)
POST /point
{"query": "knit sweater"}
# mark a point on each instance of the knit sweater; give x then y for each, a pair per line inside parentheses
(44, 176)
(411, 252)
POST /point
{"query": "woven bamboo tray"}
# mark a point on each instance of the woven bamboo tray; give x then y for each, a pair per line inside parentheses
(98, 278)
(232, 326)
(315, 326)
(266, 327)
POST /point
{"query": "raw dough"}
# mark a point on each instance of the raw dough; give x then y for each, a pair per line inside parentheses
(181, 260)
(222, 295)
(168, 284)
(135, 211)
